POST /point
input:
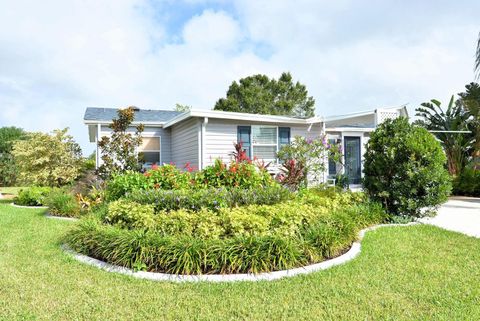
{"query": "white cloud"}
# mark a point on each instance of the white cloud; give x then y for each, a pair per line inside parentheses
(58, 57)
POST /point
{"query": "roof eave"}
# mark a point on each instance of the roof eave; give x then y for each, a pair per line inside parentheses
(241, 116)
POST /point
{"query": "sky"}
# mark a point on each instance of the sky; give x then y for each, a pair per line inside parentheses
(58, 57)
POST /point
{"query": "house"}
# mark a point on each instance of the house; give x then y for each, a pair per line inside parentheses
(199, 137)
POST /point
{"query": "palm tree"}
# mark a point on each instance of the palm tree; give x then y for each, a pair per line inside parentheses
(477, 59)
(445, 126)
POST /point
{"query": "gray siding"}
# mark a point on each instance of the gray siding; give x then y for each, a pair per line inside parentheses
(185, 142)
(165, 139)
(221, 134)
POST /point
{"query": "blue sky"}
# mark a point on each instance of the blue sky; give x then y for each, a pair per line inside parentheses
(58, 57)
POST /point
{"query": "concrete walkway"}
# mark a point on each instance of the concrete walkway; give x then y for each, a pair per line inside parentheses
(459, 214)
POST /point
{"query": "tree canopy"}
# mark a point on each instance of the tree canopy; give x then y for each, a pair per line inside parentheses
(8, 169)
(259, 94)
(48, 160)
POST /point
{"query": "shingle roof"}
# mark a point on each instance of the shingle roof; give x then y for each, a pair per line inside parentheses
(143, 115)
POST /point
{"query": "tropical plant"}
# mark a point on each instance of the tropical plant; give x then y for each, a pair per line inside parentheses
(118, 149)
(259, 94)
(477, 57)
(443, 124)
(404, 169)
(471, 102)
(48, 160)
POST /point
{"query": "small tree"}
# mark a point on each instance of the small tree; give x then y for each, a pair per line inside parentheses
(48, 160)
(8, 169)
(405, 169)
(305, 159)
(119, 150)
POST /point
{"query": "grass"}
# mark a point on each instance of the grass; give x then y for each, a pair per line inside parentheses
(403, 273)
(10, 190)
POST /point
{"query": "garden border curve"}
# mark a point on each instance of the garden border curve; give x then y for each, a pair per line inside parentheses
(23, 206)
(353, 252)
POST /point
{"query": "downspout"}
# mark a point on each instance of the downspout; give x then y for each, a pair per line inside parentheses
(97, 154)
(201, 145)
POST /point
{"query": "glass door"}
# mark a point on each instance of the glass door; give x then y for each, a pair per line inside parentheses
(353, 160)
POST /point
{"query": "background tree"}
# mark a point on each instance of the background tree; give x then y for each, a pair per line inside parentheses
(119, 150)
(48, 160)
(471, 102)
(259, 94)
(182, 108)
(457, 146)
(8, 170)
(404, 169)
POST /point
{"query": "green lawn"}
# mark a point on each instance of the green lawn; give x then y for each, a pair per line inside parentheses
(403, 273)
(10, 190)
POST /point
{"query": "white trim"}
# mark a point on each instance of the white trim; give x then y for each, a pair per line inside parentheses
(350, 129)
(202, 151)
(362, 113)
(241, 116)
(106, 122)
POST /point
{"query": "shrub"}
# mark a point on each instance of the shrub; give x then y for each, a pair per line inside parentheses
(243, 175)
(168, 177)
(128, 214)
(32, 196)
(62, 203)
(120, 184)
(405, 169)
(467, 183)
(212, 198)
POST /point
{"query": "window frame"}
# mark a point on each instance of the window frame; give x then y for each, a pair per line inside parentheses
(137, 151)
(276, 144)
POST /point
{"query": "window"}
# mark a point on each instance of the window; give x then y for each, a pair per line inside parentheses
(243, 135)
(283, 136)
(264, 142)
(149, 151)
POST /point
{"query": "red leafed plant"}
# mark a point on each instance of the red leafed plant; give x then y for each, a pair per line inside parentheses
(292, 175)
(240, 154)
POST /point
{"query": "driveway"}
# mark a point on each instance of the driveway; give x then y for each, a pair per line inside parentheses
(459, 214)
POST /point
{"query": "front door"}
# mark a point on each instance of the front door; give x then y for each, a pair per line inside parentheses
(353, 160)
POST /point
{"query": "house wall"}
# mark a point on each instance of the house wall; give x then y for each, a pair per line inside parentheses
(149, 131)
(221, 134)
(185, 142)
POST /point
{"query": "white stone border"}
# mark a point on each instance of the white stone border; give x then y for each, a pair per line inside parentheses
(353, 252)
(64, 218)
(22, 206)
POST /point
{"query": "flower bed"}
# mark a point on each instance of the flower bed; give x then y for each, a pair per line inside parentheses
(246, 239)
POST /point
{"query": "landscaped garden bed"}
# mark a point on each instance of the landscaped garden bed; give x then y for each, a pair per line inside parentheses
(225, 219)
